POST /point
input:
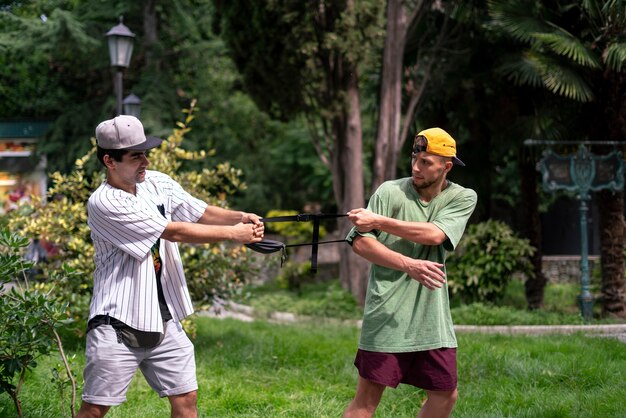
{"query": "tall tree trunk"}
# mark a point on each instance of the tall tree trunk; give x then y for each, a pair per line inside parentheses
(611, 206)
(389, 117)
(150, 33)
(347, 169)
(534, 286)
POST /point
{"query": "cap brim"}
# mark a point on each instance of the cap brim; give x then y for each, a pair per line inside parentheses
(457, 161)
(151, 142)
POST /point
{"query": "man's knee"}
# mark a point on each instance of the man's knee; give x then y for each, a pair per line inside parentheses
(89, 410)
(184, 404)
(366, 399)
(444, 399)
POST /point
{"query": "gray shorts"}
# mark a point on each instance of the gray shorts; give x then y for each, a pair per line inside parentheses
(169, 368)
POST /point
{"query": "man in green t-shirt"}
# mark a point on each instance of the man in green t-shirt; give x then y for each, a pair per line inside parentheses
(407, 334)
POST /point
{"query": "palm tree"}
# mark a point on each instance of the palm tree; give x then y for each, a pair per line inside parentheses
(577, 50)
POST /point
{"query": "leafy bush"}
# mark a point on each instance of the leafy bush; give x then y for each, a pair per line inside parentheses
(29, 319)
(293, 275)
(485, 260)
(211, 270)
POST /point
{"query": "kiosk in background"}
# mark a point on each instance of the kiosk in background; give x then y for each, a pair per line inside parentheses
(22, 173)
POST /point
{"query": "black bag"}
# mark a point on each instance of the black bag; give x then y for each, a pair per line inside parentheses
(139, 339)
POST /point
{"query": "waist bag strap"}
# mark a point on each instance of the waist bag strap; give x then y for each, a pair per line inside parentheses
(302, 217)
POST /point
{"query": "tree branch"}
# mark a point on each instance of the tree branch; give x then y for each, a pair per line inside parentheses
(417, 94)
(67, 369)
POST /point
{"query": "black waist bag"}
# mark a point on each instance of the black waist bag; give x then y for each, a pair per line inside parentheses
(139, 339)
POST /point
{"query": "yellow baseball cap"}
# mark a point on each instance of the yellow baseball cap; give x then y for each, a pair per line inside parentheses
(436, 141)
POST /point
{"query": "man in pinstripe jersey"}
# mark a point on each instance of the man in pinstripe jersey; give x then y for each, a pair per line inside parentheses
(140, 295)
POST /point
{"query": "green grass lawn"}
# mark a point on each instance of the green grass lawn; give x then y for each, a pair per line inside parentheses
(261, 369)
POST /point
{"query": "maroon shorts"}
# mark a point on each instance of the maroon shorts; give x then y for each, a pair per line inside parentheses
(429, 370)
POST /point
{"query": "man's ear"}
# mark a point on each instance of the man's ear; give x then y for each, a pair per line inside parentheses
(109, 162)
(449, 165)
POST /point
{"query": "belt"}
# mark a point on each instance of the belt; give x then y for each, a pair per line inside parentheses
(268, 246)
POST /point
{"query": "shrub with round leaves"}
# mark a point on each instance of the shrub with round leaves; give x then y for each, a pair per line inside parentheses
(485, 261)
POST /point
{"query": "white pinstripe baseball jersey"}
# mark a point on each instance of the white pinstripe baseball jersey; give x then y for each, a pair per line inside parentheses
(123, 228)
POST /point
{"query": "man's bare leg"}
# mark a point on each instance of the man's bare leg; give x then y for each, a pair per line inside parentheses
(365, 400)
(184, 406)
(439, 404)
(90, 410)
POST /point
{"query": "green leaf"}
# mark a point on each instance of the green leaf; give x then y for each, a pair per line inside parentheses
(615, 55)
(563, 43)
(567, 82)
(521, 70)
(514, 18)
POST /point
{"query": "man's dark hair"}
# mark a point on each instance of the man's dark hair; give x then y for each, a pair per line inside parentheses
(116, 154)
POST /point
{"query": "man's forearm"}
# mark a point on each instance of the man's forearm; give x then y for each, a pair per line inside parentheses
(195, 233)
(425, 233)
(428, 273)
(379, 254)
(214, 215)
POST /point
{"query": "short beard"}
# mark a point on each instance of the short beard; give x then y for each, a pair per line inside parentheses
(426, 185)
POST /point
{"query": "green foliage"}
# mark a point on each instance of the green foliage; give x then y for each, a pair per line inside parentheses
(58, 69)
(489, 314)
(616, 56)
(563, 43)
(292, 275)
(306, 46)
(28, 319)
(555, 54)
(329, 300)
(62, 381)
(318, 300)
(485, 261)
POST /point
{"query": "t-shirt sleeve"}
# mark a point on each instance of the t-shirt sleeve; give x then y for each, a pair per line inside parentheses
(374, 205)
(126, 223)
(453, 218)
(185, 207)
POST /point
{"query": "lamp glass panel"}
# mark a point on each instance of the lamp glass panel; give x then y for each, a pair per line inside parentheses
(120, 50)
(132, 109)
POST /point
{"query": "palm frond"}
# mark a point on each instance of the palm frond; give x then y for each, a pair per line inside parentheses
(521, 70)
(563, 80)
(515, 18)
(592, 8)
(614, 11)
(562, 43)
(615, 55)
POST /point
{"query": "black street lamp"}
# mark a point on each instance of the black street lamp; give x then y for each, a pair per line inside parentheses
(120, 51)
(132, 105)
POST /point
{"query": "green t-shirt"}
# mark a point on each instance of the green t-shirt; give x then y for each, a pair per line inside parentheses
(400, 314)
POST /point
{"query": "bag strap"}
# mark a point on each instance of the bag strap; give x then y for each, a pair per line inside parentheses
(304, 217)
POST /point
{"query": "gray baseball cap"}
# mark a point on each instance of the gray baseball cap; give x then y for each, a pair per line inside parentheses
(124, 132)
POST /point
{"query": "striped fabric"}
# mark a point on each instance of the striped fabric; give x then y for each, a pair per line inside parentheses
(123, 228)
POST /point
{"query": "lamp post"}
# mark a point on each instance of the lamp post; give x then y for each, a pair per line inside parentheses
(120, 50)
(132, 105)
(581, 172)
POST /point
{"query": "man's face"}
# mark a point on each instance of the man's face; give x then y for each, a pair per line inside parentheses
(132, 169)
(428, 169)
